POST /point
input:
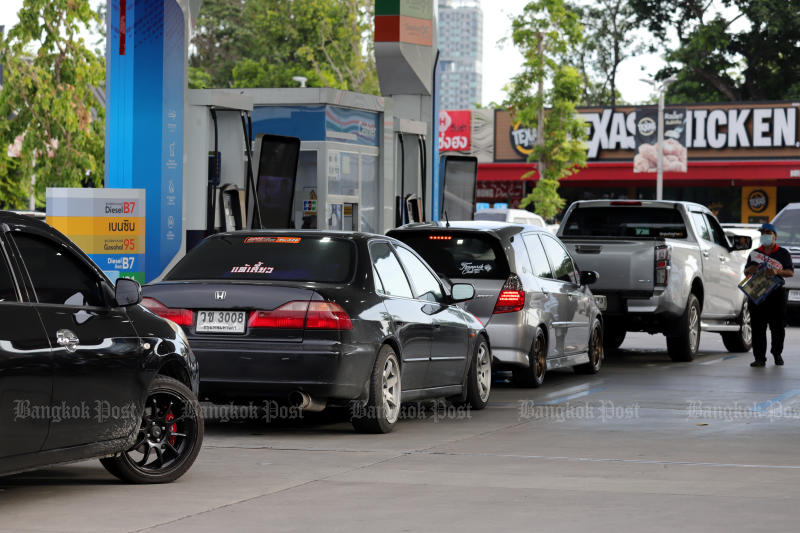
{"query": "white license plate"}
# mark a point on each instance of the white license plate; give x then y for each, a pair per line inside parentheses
(601, 301)
(221, 321)
(794, 296)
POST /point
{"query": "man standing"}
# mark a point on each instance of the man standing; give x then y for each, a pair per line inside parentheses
(772, 311)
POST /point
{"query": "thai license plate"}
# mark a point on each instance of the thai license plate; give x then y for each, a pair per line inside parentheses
(220, 322)
(601, 301)
(794, 296)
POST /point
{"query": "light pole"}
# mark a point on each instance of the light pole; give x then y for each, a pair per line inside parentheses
(301, 80)
(660, 141)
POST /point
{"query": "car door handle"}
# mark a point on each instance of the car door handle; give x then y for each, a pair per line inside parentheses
(67, 339)
(723, 259)
(705, 253)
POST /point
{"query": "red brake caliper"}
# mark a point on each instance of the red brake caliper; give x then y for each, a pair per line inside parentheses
(173, 428)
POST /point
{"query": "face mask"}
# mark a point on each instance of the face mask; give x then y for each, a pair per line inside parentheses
(766, 239)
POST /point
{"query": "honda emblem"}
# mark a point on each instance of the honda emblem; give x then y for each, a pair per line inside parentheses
(219, 295)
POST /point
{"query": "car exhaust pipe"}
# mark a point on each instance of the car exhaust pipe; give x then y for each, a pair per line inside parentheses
(303, 401)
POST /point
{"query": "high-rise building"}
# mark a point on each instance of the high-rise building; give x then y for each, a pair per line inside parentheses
(461, 53)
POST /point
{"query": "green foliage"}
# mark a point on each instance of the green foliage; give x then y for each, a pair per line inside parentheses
(749, 52)
(553, 27)
(265, 43)
(609, 38)
(49, 101)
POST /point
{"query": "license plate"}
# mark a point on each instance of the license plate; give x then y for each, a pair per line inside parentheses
(601, 301)
(220, 322)
(794, 296)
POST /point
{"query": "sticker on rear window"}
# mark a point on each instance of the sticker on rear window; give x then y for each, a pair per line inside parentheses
(272, 240)
(468, 268)
(254, 269)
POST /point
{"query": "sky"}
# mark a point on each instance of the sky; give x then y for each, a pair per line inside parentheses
(500, 62)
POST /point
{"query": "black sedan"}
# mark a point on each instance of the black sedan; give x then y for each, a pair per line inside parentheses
(324, 318)
(84, 370)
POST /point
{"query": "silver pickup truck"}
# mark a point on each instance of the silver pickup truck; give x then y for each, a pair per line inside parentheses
(664, 267)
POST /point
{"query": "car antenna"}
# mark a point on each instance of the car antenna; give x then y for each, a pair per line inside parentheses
(447, 221)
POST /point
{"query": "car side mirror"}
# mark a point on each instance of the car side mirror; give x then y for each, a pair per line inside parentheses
(742, 242)
(461, 292)
(127, 292)
(589, 277)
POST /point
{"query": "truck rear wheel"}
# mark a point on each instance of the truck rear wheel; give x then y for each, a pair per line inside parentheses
(683, 345)
(742, 340)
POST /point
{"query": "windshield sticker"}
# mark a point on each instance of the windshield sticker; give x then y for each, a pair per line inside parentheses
(468, 268)
(272, 240)
(255, 269)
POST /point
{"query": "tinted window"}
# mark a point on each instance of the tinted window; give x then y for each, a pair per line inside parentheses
(425, 284)
(389, 270)
(497, 217)
(788, 224)
(459, 254)
(563, 268)
(702, 228)
(58, 276)
(7, 292)
(622, 221)
(269, 258)
(717, 233)
(541, 267)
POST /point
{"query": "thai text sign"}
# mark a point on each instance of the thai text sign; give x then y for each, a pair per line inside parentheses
(107, 224)
(454, 131)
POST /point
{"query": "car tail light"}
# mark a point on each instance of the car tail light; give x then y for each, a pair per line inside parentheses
(512, 296)
(291, 315)
(626, 202)
(327, 315)
(302, 315)
(182, 317)
(661, 261)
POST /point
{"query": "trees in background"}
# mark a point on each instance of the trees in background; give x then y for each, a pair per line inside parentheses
(50, 114)
(728, 50)
(265, 43)
(545, 33)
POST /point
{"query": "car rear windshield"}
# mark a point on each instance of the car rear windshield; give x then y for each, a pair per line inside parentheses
(622, 221)
(459, 254)
(268, 258)
(788, 225)
(497, 217)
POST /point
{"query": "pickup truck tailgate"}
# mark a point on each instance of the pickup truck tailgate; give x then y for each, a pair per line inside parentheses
(623, 265)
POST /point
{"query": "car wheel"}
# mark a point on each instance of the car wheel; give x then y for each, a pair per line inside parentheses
(382, 409)
(596, 353)
(683, 346)
(533, 374)
(613, 337)
(168, 439)
(479, 375)
(742, 340)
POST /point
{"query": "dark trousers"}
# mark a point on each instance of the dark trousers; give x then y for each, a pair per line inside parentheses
(771, 312)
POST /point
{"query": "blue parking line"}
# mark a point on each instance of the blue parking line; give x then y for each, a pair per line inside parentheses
(729, 357)
(769, 403)
(573, 396)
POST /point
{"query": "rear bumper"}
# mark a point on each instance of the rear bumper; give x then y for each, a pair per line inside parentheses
(511, 339)
(271, 370)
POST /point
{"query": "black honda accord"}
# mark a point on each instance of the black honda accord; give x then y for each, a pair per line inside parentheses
(324, 318)
(84, 370)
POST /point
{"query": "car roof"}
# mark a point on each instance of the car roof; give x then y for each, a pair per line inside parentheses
(501, 229)
(357, 235)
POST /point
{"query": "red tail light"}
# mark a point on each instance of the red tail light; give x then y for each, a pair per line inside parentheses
(288, 316)
(327, 315)
(300, 315)
(661, 262)
(182, 317)
(512, 296)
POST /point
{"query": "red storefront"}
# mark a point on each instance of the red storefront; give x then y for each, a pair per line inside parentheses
(743, 159)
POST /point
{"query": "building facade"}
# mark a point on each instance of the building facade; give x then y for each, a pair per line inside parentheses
(461, 53)
(743, 159)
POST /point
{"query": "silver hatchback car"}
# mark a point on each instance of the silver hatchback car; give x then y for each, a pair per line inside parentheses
(535, 304)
